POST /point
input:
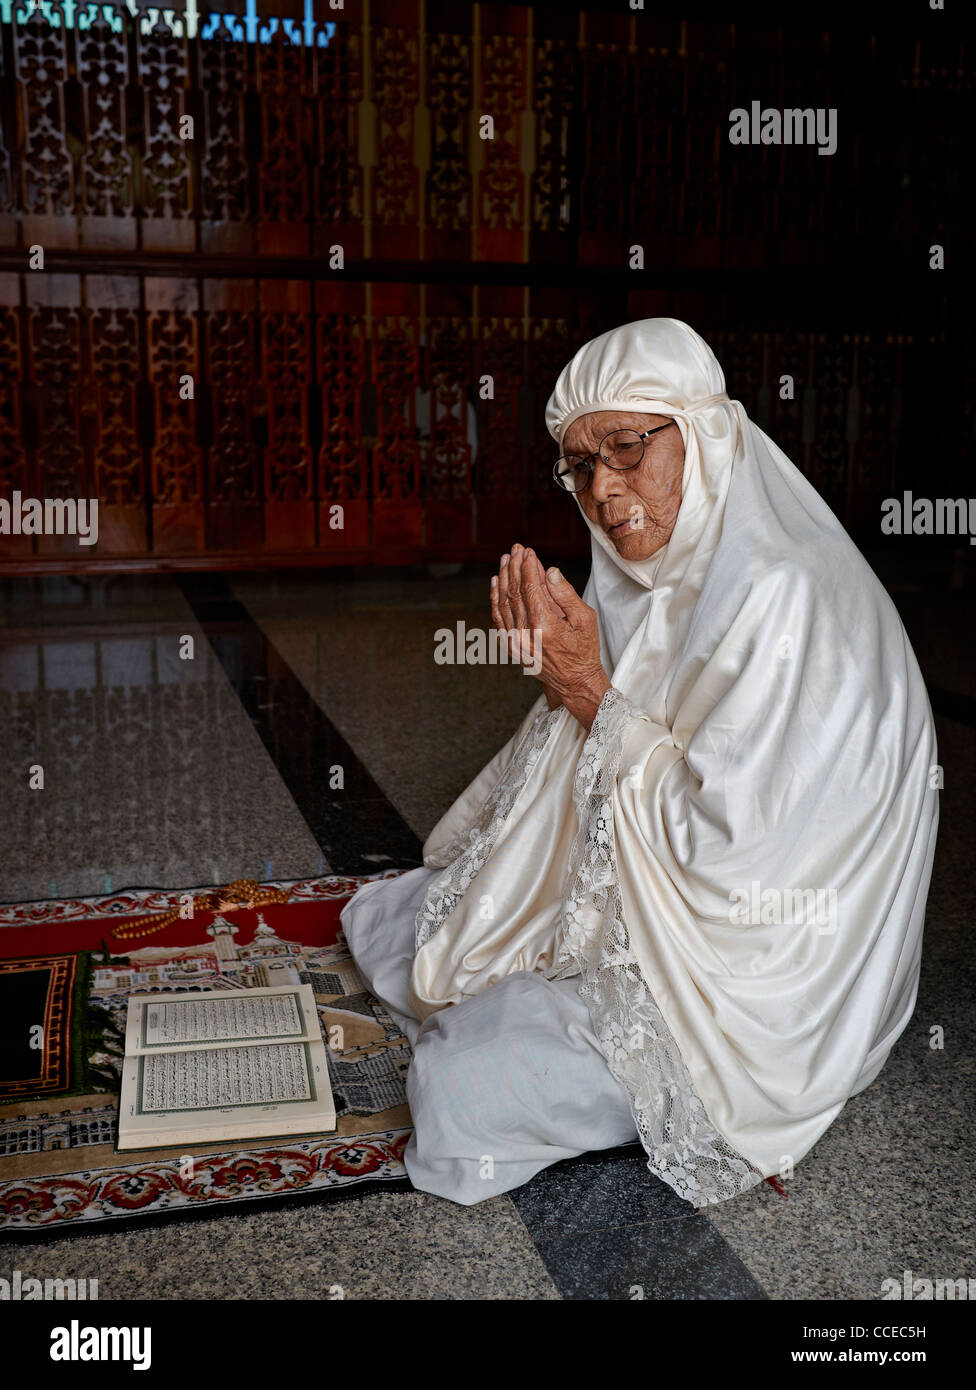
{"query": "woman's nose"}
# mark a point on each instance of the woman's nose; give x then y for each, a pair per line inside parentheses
(606, 481)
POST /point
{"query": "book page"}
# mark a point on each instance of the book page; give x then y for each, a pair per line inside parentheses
(174, 1022)
(170, 1022)
(227, 1076)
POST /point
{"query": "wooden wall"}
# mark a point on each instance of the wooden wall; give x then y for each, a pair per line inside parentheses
(194, 354)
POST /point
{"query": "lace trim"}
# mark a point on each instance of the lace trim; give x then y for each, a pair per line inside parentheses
(682, 1145)
(466, 855)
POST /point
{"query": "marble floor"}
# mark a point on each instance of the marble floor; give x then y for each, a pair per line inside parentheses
(186, 728)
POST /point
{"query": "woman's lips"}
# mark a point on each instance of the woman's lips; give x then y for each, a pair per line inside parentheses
(623, 528)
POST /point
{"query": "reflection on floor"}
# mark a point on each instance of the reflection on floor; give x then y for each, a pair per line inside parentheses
(165, 768)
(152, 770)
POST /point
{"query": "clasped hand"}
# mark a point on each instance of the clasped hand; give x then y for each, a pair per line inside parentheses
(552, 632)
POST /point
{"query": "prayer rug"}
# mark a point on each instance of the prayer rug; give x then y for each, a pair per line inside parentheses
(67, 968)
(41, 1002)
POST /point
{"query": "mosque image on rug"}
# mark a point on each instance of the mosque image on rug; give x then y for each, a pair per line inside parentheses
(60, 1169)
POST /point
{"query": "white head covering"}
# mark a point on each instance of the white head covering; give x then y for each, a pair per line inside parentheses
(767, 739)
(655, 367)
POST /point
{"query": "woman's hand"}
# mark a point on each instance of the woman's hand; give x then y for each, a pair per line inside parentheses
(509, 613)
(559, 632)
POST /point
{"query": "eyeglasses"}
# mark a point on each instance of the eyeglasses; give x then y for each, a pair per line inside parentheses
(620, 449)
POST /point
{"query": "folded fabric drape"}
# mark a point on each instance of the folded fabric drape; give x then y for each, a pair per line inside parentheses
(734, 862)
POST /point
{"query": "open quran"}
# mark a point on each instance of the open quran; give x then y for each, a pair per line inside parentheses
(206, 1066)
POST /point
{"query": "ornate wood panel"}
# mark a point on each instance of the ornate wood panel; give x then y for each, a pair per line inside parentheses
(292, 284)
(172, 369)
(14, 475)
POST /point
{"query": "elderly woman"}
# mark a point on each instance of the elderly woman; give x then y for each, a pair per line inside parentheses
(684, 903)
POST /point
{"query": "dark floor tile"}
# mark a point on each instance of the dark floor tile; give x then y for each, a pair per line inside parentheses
(682, 1259)
(357, 836)
(356, 827)
(607, 1228)
(603, 1191)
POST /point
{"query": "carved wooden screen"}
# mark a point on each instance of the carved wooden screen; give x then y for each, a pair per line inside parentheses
(333, 292)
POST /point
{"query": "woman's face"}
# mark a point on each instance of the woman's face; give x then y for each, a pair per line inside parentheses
(637, 509)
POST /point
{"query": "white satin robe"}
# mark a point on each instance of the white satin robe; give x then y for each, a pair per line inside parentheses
(768, 739)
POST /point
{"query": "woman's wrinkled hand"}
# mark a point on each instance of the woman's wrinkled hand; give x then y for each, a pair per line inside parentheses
(558, 638)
